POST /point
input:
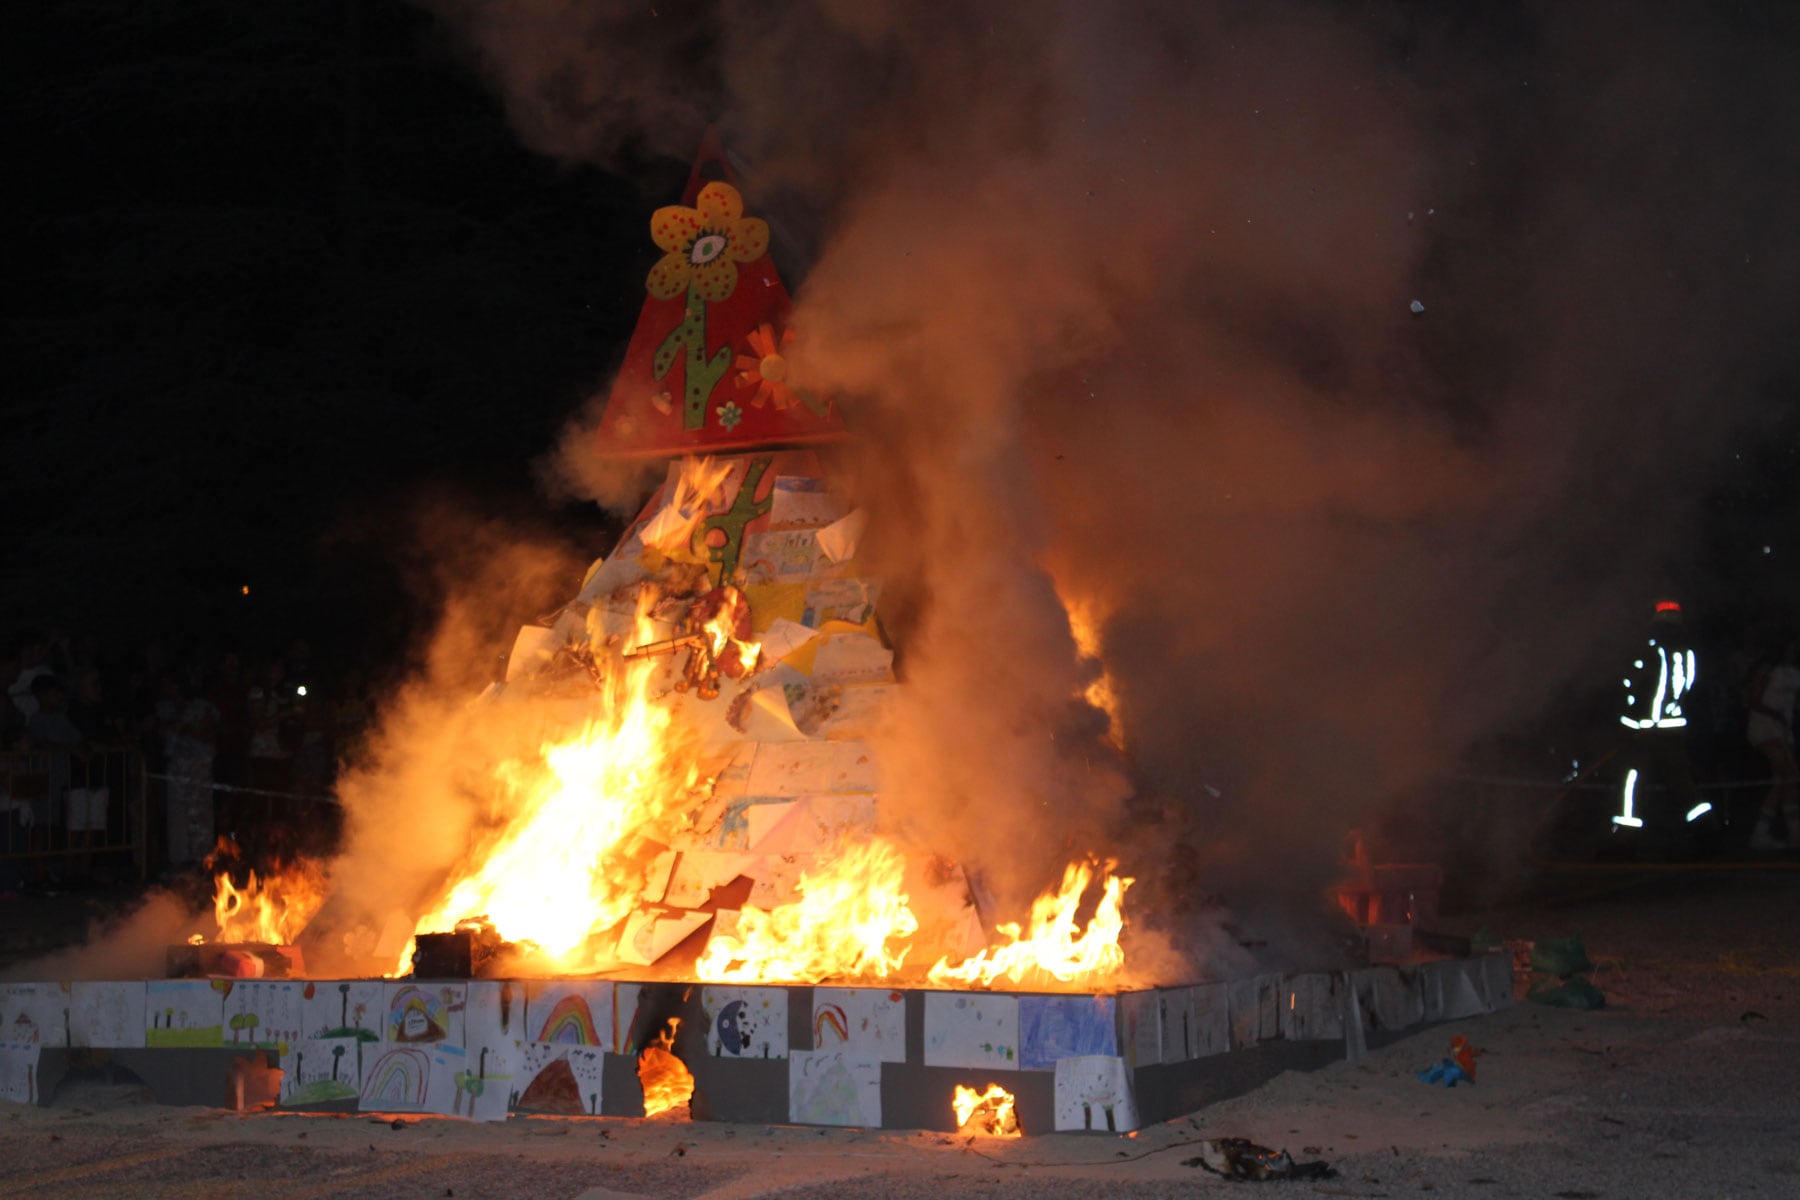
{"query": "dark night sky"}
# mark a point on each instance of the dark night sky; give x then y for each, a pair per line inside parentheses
(280, 274)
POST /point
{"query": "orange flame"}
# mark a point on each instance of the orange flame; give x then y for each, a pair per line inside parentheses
(990, 1113)
(1057, 948)
(272, 909)
(581, 823)
(841, 926)
(668, 1084)
(1084, 625)
(673, 527)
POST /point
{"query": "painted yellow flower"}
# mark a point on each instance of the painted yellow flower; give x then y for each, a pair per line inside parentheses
(704, 245)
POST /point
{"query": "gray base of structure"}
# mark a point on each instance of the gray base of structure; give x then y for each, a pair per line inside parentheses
(1172, 1051)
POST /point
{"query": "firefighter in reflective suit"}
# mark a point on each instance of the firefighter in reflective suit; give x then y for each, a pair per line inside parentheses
(1658, 802)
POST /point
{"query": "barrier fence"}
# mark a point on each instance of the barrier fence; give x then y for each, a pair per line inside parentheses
(62, 809)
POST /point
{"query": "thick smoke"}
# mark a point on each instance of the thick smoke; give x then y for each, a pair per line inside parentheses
(1126, 298)
(422, 792)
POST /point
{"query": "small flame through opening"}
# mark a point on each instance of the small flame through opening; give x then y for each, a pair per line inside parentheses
(668, 1084)
(989, 1113)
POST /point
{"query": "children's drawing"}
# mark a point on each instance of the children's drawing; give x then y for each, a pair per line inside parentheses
(184, 1012)
(106, 1014)
(560, 1078)
(34, 1014)
(746, 1022)
(1195, 1022)
(834, 1087)
(263, 1013)
(395, 1078)
(866, 1021)
(1056, 1027)
(342, 1008)
(425, 1012)
(319, 1070)
(1094, 1092)
(18, 1073)
(580, 1013)
(1140, 1013)
(964, 1030)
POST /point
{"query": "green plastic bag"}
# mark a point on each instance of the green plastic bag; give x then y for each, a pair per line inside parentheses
(1574, 992)
(1560, 956)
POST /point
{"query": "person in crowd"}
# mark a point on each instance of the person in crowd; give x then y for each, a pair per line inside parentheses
(90, 712)
(189, 724)
(12, 717)
(34, 662)
(49, 726)
(1771, 730)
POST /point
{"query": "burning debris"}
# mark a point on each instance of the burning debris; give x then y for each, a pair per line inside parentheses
(270, 910)
(988, 1113)
(668, 1084)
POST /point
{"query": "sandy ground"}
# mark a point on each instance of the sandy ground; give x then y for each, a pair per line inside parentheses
(1682, 1087)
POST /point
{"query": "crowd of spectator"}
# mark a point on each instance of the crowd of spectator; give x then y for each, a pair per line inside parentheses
(231, 744)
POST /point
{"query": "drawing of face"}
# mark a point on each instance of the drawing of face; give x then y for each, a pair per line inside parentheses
(735, 1028)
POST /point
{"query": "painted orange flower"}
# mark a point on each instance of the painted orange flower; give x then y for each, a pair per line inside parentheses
(704, 245)
(765, 369)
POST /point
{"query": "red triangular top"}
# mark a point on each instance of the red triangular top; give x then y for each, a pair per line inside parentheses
(706, 370)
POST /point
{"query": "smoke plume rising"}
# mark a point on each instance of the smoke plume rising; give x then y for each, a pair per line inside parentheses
(1361, 367)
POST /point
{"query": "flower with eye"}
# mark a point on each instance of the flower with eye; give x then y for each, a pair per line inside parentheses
(702, 246)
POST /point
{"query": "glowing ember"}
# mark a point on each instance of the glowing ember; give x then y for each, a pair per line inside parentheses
(841, 927)
(988, 1113)
(668, 1084)
(1057, 947)
(272, 909)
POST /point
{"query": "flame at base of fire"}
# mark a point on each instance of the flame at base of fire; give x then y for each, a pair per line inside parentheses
(990, 1113)
(1056, 947)
(841, 927)
(272, 910)
(668, 1084)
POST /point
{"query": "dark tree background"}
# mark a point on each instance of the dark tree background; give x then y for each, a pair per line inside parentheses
(278, 271)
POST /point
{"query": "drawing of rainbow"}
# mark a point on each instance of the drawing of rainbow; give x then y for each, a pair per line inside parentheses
(570, 1023)
(431, 1007)
(398, 1077)
(830, 1016)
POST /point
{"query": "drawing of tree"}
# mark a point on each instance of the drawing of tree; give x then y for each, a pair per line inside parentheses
(344, 1006)
(238, 1022)
(337, 1052)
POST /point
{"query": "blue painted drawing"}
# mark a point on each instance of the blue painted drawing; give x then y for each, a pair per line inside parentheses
(1055, 1027)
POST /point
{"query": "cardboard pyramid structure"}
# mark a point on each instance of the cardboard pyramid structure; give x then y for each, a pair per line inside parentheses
(766, 542)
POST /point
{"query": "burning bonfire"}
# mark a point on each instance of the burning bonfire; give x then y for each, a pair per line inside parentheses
(699, 798)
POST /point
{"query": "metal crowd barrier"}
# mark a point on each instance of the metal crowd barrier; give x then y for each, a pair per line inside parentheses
(74, 804)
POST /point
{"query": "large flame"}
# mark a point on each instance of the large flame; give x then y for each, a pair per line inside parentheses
(668, 1084)
(1056, 948)
(580, 823)
(273, 908)
(844, 925)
